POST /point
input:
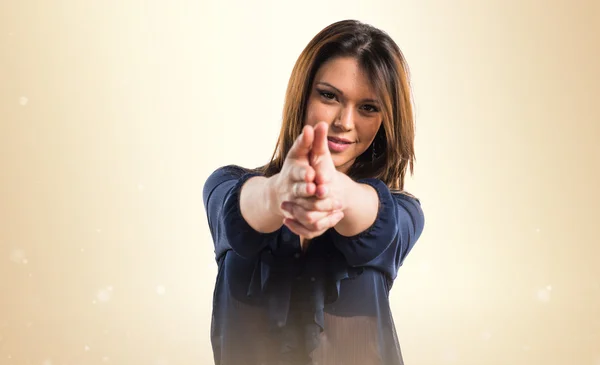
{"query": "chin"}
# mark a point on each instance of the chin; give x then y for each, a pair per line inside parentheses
(341, 163)
(338, 161)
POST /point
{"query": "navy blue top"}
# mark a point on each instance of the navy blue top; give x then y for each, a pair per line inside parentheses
(276, 305)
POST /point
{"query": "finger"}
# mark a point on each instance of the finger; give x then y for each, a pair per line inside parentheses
(321, 226)
(311, 220)
(303, 190)
(299, 229)
(320, 157)
(320, 147)
(332, 220)
(314, 203)
(321, 191)
(306, 217)
(303, 173)
(328, 221)
(303, 143)
(324, 171)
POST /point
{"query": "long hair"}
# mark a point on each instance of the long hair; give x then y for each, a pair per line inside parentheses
(392, 152)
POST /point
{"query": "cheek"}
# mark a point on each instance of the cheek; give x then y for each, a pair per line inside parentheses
(308, 118)
(368, 134)
(318, 112)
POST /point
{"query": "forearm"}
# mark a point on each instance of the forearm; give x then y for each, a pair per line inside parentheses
(257, 204)
(361, 207)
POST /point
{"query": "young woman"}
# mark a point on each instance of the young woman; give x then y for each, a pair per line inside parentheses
(308, 246)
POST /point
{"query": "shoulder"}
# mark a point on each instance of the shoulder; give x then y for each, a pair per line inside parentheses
(230, 172)
(389, 194)
(409, 204)
(410, 207)
(223, 174)
(405, 195)
(408, 200)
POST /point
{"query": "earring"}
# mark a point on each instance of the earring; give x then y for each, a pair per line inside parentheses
(373, 152)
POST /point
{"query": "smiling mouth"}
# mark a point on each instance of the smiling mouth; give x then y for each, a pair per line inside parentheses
(337, 146)
(338, 141)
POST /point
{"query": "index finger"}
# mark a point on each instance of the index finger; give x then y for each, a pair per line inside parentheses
(303, 144)
(320, 148)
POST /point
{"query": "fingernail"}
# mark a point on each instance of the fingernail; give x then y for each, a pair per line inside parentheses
(337, 205)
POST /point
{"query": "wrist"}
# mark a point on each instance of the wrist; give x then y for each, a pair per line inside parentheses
(271, 196)
(346, 188)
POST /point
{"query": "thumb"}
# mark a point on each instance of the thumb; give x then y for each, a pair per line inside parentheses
(302, 145)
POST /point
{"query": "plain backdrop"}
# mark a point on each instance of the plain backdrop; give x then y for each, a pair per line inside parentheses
(114, 113)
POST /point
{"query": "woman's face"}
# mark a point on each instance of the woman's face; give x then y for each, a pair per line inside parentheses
(342, 96)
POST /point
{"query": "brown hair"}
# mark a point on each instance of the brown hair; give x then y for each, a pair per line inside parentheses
(392, 151)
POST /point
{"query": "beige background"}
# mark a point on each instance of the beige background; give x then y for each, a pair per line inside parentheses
(113, 113)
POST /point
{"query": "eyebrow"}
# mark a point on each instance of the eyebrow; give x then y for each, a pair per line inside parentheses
(341, 93)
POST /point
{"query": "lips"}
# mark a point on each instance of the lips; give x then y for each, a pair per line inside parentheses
(338, 145)
(339, 140)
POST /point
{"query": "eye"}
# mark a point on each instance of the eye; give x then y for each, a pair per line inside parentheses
(370, 108)
(327, 94)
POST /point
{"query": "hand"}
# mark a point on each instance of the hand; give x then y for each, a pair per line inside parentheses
(327, 179)
(296, 176)
(312, 212)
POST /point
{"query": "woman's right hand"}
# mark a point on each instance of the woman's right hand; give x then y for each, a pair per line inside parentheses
(296, 180)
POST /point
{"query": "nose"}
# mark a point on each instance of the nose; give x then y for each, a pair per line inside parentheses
(345, 119)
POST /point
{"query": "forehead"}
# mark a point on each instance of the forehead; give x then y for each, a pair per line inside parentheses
(346, 75)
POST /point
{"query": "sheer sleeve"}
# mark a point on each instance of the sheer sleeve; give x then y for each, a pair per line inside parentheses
(384, 245)
(228, 228)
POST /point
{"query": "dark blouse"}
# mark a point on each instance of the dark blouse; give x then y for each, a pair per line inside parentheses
(274, 304)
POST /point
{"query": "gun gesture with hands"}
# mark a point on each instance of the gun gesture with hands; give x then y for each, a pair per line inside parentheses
(309, 190)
